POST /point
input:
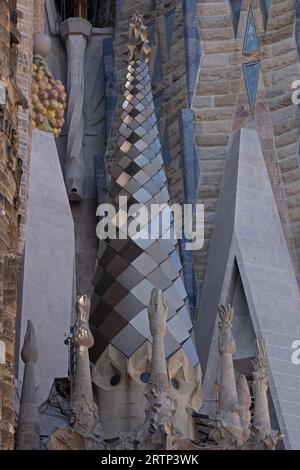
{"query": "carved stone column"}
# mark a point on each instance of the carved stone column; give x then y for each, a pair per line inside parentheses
(158, 430)
(245, 404)
(82, 395)
(260, 387)
(228, 392)
(229, 432)
(75, 32)
(262, 430)
(157, 313)
(160, 409)
(85, 432)
(28, 436)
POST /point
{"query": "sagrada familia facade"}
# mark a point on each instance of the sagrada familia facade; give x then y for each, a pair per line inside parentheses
(135, 342)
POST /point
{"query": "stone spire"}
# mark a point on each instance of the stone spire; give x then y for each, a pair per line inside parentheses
(28, 436)
(133, 263)
(130, 266)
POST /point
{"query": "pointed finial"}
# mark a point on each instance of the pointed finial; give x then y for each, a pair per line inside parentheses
(158, 312)
(138, 42)
(29, 351)
(82, 335)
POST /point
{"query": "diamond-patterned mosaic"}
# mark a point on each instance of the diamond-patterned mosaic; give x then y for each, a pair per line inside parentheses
(129, 269)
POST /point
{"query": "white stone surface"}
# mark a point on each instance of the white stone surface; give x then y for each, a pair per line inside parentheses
(48, 264)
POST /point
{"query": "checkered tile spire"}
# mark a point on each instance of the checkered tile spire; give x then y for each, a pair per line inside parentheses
(128, 269)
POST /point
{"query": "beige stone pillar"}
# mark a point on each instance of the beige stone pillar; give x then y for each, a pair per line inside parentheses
(158, 311)
(83, 340)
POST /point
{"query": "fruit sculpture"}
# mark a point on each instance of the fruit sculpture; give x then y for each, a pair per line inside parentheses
(48, 101)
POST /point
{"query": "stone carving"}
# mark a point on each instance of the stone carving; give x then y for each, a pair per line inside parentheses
(160, 408)
(244, 398)
(48, 95)
(138, 43)
(75, 32)
(188, 392)
(228, 431)
(157, 314)
(85, 431)
(116, 414)
(28, 436)
(158, 430)
(262, 434)
(232, 428)
(82, 339)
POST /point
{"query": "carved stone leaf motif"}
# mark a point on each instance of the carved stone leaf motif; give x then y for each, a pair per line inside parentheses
(138, 44)
(226, 339)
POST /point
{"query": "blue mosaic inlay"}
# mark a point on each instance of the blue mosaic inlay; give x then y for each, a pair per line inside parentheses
(165, 148)
(157, 70)
(158, 99)
(251, 74)
(192, 45)
(169, 22)
(111, 83)
(191, 178)
(251, 41)
(266, 6)
(151, 30)
(236, 6)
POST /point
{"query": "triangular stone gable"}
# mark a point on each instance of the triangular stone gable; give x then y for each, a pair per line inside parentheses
(248, 235)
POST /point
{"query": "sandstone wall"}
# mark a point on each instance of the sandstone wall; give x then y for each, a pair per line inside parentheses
(220, 106)
(10, 174)
(17, 18)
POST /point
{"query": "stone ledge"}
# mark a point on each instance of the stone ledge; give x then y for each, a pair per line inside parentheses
(75, 26)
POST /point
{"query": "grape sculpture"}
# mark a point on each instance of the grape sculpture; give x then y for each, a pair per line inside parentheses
(48, 100)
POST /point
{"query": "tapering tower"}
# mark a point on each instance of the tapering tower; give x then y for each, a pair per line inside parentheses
(130, 266)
